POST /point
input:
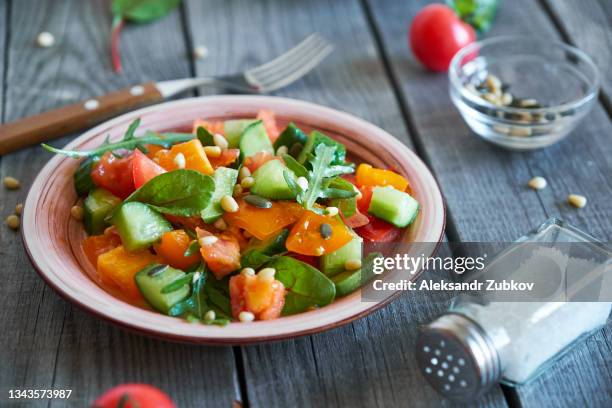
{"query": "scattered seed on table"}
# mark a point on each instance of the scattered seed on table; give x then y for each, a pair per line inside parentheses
(244, 173)
(45, 39)
(220, 141)
(19, 209)
(331, 211)
(210, 316)
(267, 274)
(180, 161)
(302, 182)
(246, 317)
(247, 182)
(209, 240)
(11, 183)
(282, 150)
(13, 221)
(77, 212)
(537, 183)
(326, 230)
(247, 272)
(352, 264)
(212, 151)
(200, 52)
(577, 200)
(228, 204)
(258, 201)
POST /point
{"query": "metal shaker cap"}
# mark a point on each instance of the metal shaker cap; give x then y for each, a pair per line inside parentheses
(457, 357)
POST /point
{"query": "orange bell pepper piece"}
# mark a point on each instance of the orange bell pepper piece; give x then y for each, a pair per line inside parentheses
(119, 266)
(172, 247)
(306, 237)
(263, 222)
(369, 176)
(96, 245)
(192, 151)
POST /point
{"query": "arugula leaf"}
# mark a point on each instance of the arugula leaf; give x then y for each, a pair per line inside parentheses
(347, 205)
(306, 286)
(180, 192)
(129, 142)
(194, 247)
(205, 136)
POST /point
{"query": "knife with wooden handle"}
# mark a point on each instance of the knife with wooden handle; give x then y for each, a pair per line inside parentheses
(54, 123)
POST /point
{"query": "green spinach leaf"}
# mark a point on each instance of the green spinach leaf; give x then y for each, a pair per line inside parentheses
(205, 136)
(180, 192)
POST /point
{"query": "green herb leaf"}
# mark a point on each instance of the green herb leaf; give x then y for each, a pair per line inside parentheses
(180, 192)
(193, 248)
(477, 13)
(347, 206)
(143, 11)
(336, 193)
(323, 158)
(290, 136)
(205, 136)
(307, 287)
(178, 283)
(295, 166)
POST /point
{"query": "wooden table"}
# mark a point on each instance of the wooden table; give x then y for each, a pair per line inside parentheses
(47, 343)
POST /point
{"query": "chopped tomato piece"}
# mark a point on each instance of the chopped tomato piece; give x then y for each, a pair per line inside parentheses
(358, 219)
(172, 247)
(223, 256)
(114, 174)
(96, 245)
(213, 126)
(144, 169)
(269, 121)
(264, 298)
(366, 196)
(369, 176)
(193, 153)
(378, 230)
(228, 156)
(263, 222)
(257, 160)
(307, 238)
(119, 266)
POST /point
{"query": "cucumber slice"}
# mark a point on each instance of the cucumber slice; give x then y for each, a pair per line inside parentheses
(150, 282)
(139, 225)
(290, 136)
(97, 206)
(233, 129)
(333, 263)
(255, 139)
(393, 206)
(270, 181)
(316, 138)
(346, 282)
(225, 179)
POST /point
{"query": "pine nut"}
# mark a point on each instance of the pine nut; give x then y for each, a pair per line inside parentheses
(248, 272)
(576, 200)
(537, 183)
(331, 211)
(282, 150)
(246, 317)
(352, 264)
(303, 183)
(506, 98)
(210, 316)
(212, 151)
(247, 182)
(228, 204)
(45, 40)
(267, 274)
(504, 130)
(526, 103)
(493, 83)
(200, 52)
(13, 222)
(77, 212)
(244, 173)
(19, 209)
(237, 190)
(220, 224)
(179, 160)
(209, 240)
(11, 183)
(491, 98)
(320, 251)
(220, 141)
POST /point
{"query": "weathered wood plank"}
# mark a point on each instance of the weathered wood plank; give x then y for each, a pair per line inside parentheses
(485, 187)
(587, 24)
(370, 362)
(46, 343)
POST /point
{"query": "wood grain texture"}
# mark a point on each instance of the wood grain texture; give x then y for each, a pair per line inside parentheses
(370, 362)
(587, 24)
(47, 343)
(485, 187)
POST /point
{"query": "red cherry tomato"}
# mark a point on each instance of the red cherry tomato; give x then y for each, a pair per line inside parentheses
(114, 174)
(144, 169)
(378, 230)
(436, 34)
(134, 396)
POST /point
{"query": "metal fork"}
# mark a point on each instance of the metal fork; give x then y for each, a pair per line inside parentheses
(268, 77)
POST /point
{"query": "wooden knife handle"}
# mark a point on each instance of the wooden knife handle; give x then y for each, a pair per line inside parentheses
(48, 125)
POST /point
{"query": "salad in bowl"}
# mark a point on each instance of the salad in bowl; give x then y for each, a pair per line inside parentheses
(237, 220)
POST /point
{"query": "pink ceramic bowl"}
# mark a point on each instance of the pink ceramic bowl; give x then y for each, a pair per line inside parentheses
(53, 239)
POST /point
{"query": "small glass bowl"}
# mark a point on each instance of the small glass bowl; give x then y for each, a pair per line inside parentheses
(552, 86)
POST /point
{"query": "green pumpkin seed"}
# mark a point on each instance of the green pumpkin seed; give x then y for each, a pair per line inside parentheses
(156, 270)
(258, 201)
(325, 230)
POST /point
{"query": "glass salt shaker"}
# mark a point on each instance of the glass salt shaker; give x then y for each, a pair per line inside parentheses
(488, 338)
